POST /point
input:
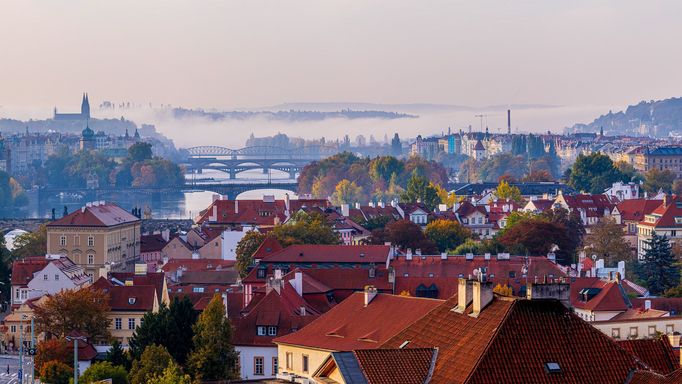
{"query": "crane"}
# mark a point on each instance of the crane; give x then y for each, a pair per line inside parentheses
(482, 116)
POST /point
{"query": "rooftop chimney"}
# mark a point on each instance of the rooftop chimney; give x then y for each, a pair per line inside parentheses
(345, 210)
(297, 282)
(444, 256)
(370, 294)
(408, 255)
(509, 121)
(559, 291)
(647, 304)
(236, 206)
(483, 295)
(464, 295)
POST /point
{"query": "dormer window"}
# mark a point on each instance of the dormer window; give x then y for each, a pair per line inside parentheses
(132, 300)
(552, 367)
(260, 273)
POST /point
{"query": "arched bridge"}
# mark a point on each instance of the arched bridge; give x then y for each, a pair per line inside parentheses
(234, 161)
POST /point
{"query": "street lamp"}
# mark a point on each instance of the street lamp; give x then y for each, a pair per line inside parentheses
(75, 355)
(33, 340)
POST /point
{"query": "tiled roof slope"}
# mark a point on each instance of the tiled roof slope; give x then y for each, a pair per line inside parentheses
(407, 366)
(351, 325)
(648, 377)
(24, 269)
(666, 214)
(609, 298)
(512, 340)
(310, 253)
(101, 215)
(269, 246)
(635, 209)
(658, 354)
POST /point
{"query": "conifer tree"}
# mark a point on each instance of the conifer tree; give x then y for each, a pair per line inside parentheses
(658, 271)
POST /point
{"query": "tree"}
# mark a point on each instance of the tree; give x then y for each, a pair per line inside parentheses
(5, 269)
(594, 173)
(419, 190)
(246, 247)
(56, 372)
(575, 232)
(503, 290)
(538, 175)
(152, 362)
(31, 243)
(104, 370)
(404, 234)
(446, 234)
(151, 331)
(658, 270)
(347, 192)
(171, 375)
(606, 241)
(447, 198)
(628, 170)
(677, 187)
(213, 357)
(535, 237)
(506, 191)
(53, 350)
(84, 310)
(117, 356)
(306, 228)
(656, 180)
(140, 152)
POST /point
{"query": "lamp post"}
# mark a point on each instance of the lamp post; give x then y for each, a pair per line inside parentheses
(21, 349)
(75, 355)
(33, 341)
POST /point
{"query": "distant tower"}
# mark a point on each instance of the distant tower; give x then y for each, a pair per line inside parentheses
(601, 131)
(508, 121)
(85, 107)
(87, 141)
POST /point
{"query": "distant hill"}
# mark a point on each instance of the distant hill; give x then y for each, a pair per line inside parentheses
(416, 108)
(291, 114)
(659, 118)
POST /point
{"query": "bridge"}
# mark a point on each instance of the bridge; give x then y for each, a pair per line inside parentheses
(266, 158)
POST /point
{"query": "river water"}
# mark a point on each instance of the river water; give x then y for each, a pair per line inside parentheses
(183, 205)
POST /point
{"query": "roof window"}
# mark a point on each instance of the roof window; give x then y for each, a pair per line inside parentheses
(552, 367)
(132, 300)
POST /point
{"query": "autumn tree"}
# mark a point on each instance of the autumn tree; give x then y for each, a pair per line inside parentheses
(535, 236)
(246, 247)
(347, 192)
(538, 175)
(658, 270)
(56, 372)
(103, 370)
(151, 363)
(446, 234)
(607, 242)
(505, 191)
(171, 375)
(306, 228)
(404, 234)
(658, 180)
(53, 350)
(140, 152)
(31, 243)
(213, 357)
(420, 190)
(84, 310)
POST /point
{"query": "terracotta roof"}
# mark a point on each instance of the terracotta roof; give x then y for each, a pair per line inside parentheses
(220, 277)
(658, 354)
(269, 246)
(152, 243)
(86, 351)
(252, 212)
(593, 205)
(351, 325)
(666, 214)
(155, 279)
(635, 314)
(635, 209)
(646, 377)
(512, 341)
(541, 204)
(103, 215)
(24, 269)
(603, 295)
(669, 304)
(330, 254)
(197, 264)
(389, 366)
(128, 297)
(466, 209)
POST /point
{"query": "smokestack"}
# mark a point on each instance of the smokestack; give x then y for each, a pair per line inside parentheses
(509, 121)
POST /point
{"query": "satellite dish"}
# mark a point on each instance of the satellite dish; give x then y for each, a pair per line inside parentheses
(594, 257)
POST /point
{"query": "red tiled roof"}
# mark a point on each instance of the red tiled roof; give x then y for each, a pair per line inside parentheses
(542, 204)
(252, 212)
(128, 297)
(635, 209)
(670, 304)
(155, 279)
(593, 205)
(609, 298)
(269, 246)
(24, 269)
(390, 366)
(351, 325)
(666, 214)
(511, 340)
(658, 354)
(103, 215)
(309, 253)
(466, 209)
(225, 277)
(152, 243)
(197, 264)
(646, 377)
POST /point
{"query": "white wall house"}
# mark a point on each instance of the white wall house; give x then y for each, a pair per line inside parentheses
(59, 274)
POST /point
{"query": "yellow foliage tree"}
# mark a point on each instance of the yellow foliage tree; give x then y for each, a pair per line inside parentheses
(506, 191)
(503, 290)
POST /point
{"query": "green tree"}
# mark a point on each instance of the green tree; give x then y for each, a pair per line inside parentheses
(658, 270)
(5, 269)
(152, 362)
(420, 190)
(606, 241)
(152, 331)
(306, 228)
(383, 167)
(104, 370)
(347, 192)
(506, 191)
(31, 243)
(656, 180)
(446, 234)
(594, 173)
(140, 152)
(116, 355)
(56, 372)
(246, 247)
(213, 357)
(171, 375)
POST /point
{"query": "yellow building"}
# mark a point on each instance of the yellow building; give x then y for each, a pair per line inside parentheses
(99, 237)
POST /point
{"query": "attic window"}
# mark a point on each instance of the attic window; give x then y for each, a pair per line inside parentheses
(131, 300)
(552, 367)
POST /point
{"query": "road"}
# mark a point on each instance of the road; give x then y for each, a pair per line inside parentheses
(13, 362)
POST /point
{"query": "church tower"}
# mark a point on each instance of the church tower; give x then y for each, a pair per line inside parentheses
(85, 107)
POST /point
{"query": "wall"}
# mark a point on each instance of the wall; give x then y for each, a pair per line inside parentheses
(661, 323)
(246, 361)
(315, 358)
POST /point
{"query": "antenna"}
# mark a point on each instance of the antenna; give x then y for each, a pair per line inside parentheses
(482, 116)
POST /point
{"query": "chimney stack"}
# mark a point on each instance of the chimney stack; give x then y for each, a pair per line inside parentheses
(509, 121)
(236, 206)
(444, 256)
(558, 291)
(370, 294)
(297, 282)
(408, 255)
(464, 295)
(345, 210)
(483, 295)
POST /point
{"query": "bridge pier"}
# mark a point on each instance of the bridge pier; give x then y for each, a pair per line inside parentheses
(292, 175)
(265, 170)
(233, 175)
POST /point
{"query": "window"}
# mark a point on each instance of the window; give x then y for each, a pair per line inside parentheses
(261, 330)
(198, 289)
(512, 274)
(633, 332)
(274, 365)
(62, 240)
(91, 259)
(261, 273)
(272, 331)
(13, 328)
(44, 277)
(131, 323)
(615, 333)
(669, 328)
(117, 323)
(91, 241)
(304, 364)
(290, 360)
(652, 330)
(258, 365)
(56, 277)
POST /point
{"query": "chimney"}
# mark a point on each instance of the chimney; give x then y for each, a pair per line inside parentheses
(418, 251)
(408, 255)
(444, 256)
(381, 204)
(558, 291)
(647, 304)
(165, 234)
(665, 200)
(302, 311)
(345, 210)
(357, 205)
(215, 197)
(483, 295)
(486, 256)
(297, 282)
(287, 202)
(464, 295)
(455, 207)
(370, 294)
(509, 121)
(236, 206)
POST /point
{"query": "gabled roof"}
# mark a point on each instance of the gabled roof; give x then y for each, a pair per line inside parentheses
(128, 297)
(657, 353)
(155, 279)
(310, 253)
(270, 245)
(647, 377)
(667, 214)
(253, 212)
(24, 269)
(635, 209)
(512, 341)
(466, 209)
(100, 215)
(197, 265)
(605, 295)
(593, 205)
(351, 325)
(152, 243)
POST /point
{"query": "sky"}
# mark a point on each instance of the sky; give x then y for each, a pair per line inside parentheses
(238, 54)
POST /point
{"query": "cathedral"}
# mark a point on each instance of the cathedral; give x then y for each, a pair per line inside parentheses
(83, 116)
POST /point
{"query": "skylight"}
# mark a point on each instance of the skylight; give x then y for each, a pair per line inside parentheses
(552, 367)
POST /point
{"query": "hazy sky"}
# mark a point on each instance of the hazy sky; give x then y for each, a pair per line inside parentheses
(256, 53)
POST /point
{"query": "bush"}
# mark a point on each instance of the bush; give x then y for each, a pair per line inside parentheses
(56, 372)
